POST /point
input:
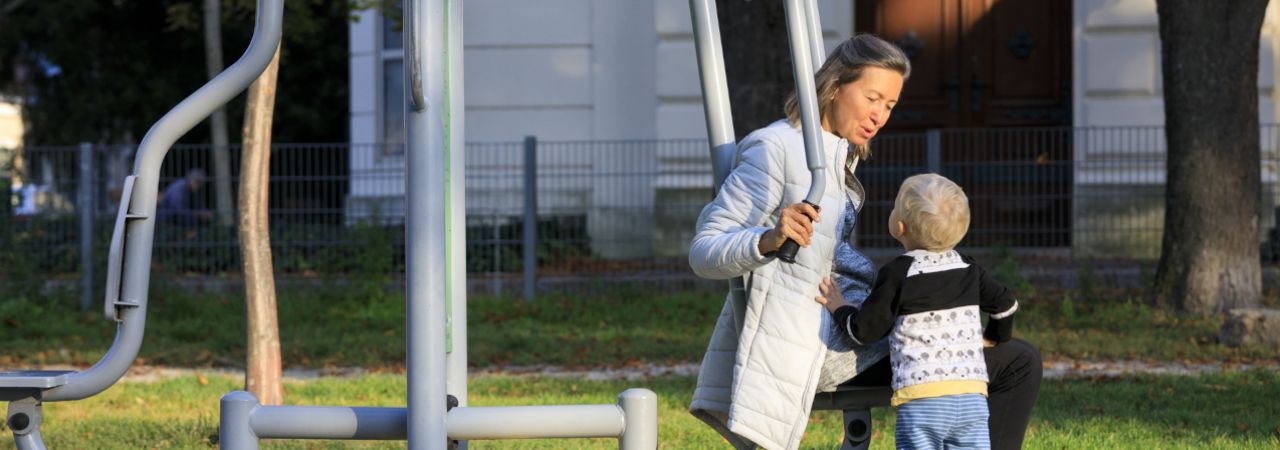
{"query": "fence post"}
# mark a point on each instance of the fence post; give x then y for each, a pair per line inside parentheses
(84, 203)
(530, 216)
(933, 138)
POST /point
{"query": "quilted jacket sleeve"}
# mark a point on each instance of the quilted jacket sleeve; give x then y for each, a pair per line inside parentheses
(729, 228)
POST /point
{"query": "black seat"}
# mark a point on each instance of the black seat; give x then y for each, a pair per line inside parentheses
(846, 397)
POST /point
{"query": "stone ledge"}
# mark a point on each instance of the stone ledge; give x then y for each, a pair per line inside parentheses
(1251, 326)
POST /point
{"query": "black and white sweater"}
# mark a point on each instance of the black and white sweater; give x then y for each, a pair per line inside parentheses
(932, 304)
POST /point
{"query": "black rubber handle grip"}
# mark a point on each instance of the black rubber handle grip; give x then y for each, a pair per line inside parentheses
(787, 253)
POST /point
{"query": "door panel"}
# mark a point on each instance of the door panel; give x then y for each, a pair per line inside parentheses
(928, 31)
(994, 75)
(1019, 60)
(978, 63)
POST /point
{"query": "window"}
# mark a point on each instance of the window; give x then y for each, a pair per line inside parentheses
(393, 101)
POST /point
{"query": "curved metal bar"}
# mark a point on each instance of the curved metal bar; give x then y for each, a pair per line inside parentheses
(719, 116)
(715, 88)
(140, 226)
(807, 96)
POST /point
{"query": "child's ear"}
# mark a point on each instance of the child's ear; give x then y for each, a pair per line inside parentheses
(900, 227)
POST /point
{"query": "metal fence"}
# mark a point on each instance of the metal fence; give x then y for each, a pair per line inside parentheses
(606, 210)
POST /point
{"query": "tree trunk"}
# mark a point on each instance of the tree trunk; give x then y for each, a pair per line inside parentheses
(757, 61)
(262, 372)
(218, 122)
(1209, 260)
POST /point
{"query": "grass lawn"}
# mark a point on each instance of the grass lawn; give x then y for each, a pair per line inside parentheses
(363, 325)
(1221, 411)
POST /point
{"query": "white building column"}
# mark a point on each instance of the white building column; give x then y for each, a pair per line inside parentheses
(624, 39)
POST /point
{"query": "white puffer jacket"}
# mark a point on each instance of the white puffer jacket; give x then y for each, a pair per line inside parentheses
(758, 388)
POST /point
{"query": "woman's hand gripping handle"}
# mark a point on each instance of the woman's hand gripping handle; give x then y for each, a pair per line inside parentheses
(794, 230)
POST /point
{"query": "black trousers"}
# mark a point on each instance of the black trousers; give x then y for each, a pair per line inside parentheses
(1014, 368)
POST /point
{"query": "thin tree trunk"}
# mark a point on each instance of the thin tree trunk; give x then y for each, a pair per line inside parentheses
(262, 372)
(1209, 260)
(218, 122)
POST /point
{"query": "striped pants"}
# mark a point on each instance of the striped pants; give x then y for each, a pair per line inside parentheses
(951, 422)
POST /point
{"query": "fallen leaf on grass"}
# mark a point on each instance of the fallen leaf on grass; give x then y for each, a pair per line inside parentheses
(203, 380)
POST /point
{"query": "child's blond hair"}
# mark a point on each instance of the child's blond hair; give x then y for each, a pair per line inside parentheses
(934, 210)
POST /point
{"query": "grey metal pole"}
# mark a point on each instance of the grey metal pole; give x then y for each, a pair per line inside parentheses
(456, 357)
(84, 204)
(29, 441)
(530, 216)
(633, 420)
(23, 418)
(801, 64)
(329, 422)
(426, 234)
(715, 88)
(640, 417)
(719, 117)
(535, 422)
(130, 264)
(234, 411)
(814, 27)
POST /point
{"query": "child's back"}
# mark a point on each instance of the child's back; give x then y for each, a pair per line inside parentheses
(930, 301)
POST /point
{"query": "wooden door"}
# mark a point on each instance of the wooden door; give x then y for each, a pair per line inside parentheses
(978, 63)
(994, 77)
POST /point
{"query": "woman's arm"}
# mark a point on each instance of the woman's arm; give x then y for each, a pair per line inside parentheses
(999, 303)
(727, 243)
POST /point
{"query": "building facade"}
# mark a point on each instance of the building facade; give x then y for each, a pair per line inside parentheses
(623, 71)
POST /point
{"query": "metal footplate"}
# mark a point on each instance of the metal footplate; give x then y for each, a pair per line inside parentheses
(32, 379)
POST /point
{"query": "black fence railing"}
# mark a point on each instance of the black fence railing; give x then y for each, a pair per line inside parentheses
(606, 210)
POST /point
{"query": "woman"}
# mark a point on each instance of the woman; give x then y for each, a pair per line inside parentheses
(756, 385)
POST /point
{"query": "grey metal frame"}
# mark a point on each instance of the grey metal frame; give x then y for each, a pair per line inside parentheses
(800, 30)
(437, 416)
(436, 362)
(805, 32)
(129, 255)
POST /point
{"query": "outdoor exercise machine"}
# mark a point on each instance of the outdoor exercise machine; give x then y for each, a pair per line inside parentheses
(437, 416)
(804, 30)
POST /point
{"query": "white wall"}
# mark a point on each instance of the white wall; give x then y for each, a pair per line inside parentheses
(1118, 83)
(561, 70)
(1119, 110)
(569, 69)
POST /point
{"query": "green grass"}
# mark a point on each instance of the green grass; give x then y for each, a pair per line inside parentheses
(363, 325)
(1120, 326)
(1221, 411)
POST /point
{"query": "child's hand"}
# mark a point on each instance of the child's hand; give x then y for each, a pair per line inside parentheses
(831, 296)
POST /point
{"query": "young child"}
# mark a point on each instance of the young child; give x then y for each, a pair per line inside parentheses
(929, 301)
